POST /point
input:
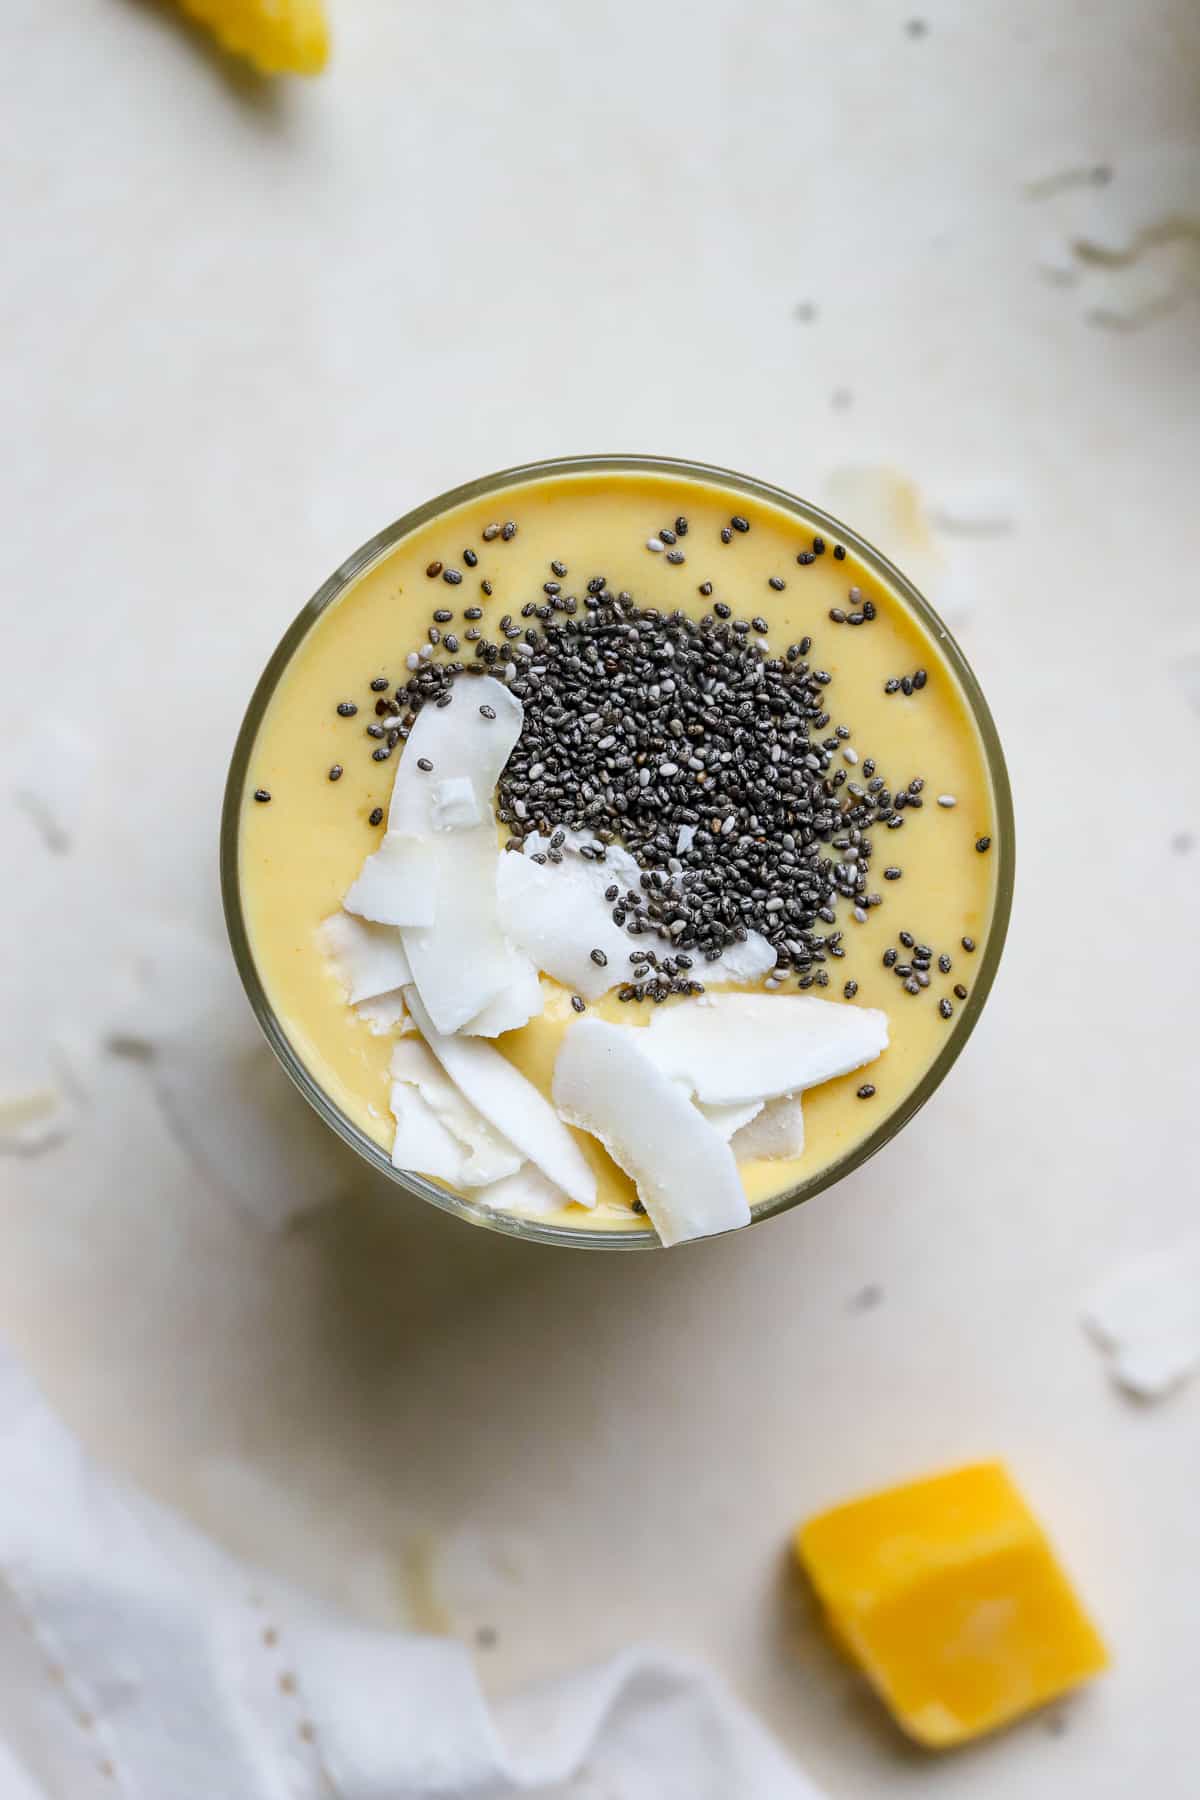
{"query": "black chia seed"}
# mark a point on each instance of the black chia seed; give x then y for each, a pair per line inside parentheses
(866, 1091)
(434, 570)
(968, 944)
(346, 709)
(946, 1009)
(960, 992)
(376, 817)
(262, 795)
(335, 773)
(579, 1003)
(739, 523)
(983, 845)
(380, 684)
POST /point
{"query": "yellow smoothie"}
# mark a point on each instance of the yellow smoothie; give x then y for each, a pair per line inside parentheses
(300, 852)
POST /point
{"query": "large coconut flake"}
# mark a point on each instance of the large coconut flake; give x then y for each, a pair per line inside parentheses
(397, 884)
(557, 915)
(726, 1119)
(490, 1156)
(462, 962)
(514, 1005)
(776, 1131)
(684, 1170)
(368, 959)
(528, 1194)
(510, 1103)
(422, 1143)
(731, 1048)
(461, 744)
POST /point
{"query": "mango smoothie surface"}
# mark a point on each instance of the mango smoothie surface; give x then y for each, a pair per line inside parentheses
(618, 850)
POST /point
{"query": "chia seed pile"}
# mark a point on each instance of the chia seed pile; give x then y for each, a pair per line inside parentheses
(713, 762)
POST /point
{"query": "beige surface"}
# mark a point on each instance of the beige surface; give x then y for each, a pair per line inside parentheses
(242, 328)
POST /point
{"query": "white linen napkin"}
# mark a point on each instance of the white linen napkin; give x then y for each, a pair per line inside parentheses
(139, 1660)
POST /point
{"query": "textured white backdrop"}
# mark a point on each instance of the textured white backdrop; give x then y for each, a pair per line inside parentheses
(242, 328)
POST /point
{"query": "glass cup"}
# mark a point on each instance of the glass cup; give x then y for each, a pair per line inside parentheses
(810, 517)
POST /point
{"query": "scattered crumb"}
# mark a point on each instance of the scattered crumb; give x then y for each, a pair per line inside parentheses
(841, 399)
(805, 311)
(1055, 1724)
(866, 1299)
(487, 1637)
(1183, 843)
(917, 28)
(1058, 181)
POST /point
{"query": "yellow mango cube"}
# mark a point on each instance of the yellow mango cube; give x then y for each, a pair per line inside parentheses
(947, 1594)
(281, 37)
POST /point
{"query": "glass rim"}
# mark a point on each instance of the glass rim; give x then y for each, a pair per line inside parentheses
(473, 1212)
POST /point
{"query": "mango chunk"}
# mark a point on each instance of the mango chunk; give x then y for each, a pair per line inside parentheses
(948, 1595)
(280, 37)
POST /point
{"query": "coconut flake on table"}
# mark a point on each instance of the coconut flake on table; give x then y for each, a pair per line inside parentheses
(396, 885)
(368, 958)
(510, 1103)
(684, 1170)
(1146, 1315)
(488, 1154)
(731, 1048)
(777, 1131)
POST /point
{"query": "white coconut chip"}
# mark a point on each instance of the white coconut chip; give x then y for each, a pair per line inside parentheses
(463, 962)
(422, 1143)
(453, 804)
(368, 959)
(558, 915)
(490, 1156)
(726, 1120)
(462, 745)
(731, 1048)
(510, 1103)
(1146, 1315)
(386, 1015)
(777, 1131)
(514, 1006)
(739, 963)
(396, 885)
(528, 1194)
(684, 1170)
